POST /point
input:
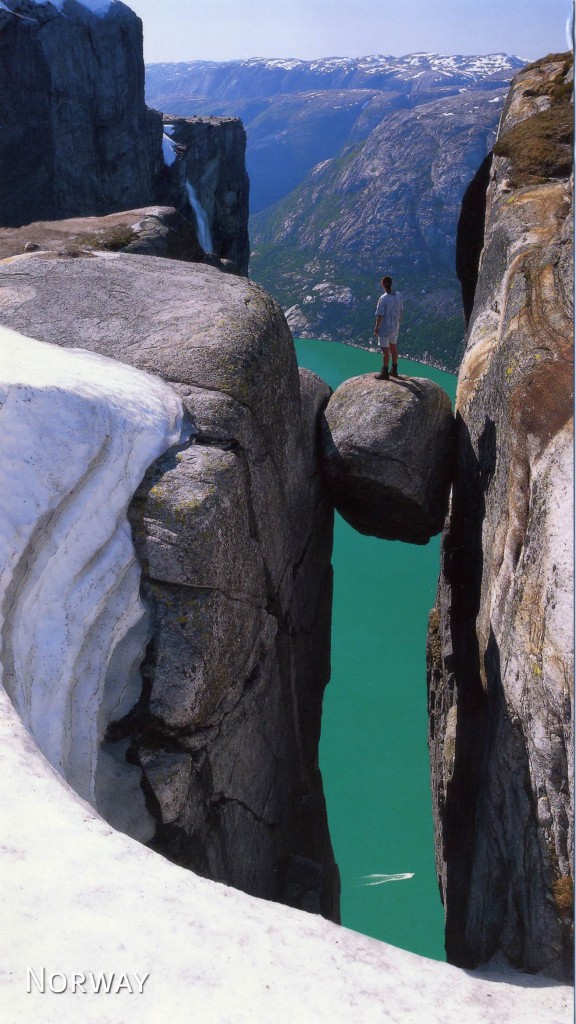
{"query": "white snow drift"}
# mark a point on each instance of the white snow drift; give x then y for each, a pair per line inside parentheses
(78, 433)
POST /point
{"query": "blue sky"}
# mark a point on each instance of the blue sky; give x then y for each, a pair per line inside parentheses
(228, 29)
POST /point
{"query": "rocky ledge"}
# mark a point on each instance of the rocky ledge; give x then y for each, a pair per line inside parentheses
(148, 231)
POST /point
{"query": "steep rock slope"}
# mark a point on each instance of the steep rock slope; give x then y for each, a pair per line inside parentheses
(78, 139)
(501, 636)
(234, 534)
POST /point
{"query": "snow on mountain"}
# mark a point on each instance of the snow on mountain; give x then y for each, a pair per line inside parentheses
(468, 67)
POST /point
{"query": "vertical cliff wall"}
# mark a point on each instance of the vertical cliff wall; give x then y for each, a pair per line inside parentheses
(77, 137)
(501, 634)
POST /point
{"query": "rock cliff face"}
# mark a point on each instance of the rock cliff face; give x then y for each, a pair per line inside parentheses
(77, 137)
(501, 635)
(83, 143)
(234, 533)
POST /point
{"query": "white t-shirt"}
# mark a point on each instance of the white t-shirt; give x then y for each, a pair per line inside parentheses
(390, 306)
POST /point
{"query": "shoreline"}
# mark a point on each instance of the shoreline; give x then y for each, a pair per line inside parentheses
(374, 348)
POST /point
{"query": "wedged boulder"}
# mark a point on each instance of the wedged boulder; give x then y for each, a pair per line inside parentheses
(388, 450)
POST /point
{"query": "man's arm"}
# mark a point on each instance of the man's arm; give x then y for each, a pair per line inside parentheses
(379, 320)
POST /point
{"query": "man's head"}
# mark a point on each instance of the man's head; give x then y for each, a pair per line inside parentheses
(387, 283)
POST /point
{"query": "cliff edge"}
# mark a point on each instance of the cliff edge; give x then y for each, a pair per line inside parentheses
(500, 647)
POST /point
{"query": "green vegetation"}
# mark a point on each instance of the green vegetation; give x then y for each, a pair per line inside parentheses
(541, 147)
(434, 641)
(113, 239)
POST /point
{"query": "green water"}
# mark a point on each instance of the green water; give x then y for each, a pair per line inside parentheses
(373, 752)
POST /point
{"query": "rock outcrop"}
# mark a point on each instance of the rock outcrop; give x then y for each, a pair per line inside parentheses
(77, 137)
(234, 535)
(150, 231)
(388, 450)
(501, 635)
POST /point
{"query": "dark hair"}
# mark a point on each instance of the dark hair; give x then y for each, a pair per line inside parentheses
(387, 279)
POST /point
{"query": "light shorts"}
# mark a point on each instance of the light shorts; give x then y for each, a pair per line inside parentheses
(389, 339)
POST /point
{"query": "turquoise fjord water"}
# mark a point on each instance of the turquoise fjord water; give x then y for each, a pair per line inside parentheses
(373, 751)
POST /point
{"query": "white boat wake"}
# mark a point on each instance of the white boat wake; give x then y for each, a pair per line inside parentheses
(381, 879)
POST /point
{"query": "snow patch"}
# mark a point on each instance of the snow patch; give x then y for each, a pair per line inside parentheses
(78, 432)
(77, 896)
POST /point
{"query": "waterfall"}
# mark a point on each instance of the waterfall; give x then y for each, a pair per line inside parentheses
(204, 236)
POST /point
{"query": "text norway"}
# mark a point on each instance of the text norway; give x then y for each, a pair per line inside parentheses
(101, 983)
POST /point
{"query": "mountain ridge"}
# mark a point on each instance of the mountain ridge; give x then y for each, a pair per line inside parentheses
(333, 72)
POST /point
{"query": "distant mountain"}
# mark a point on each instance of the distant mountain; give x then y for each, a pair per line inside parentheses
(356, 166)
(242, 79)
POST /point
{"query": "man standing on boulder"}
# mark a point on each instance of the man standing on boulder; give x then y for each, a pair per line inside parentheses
(388, 316)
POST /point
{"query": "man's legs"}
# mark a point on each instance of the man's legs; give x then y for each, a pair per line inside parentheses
(383, 375)
(394, 350)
